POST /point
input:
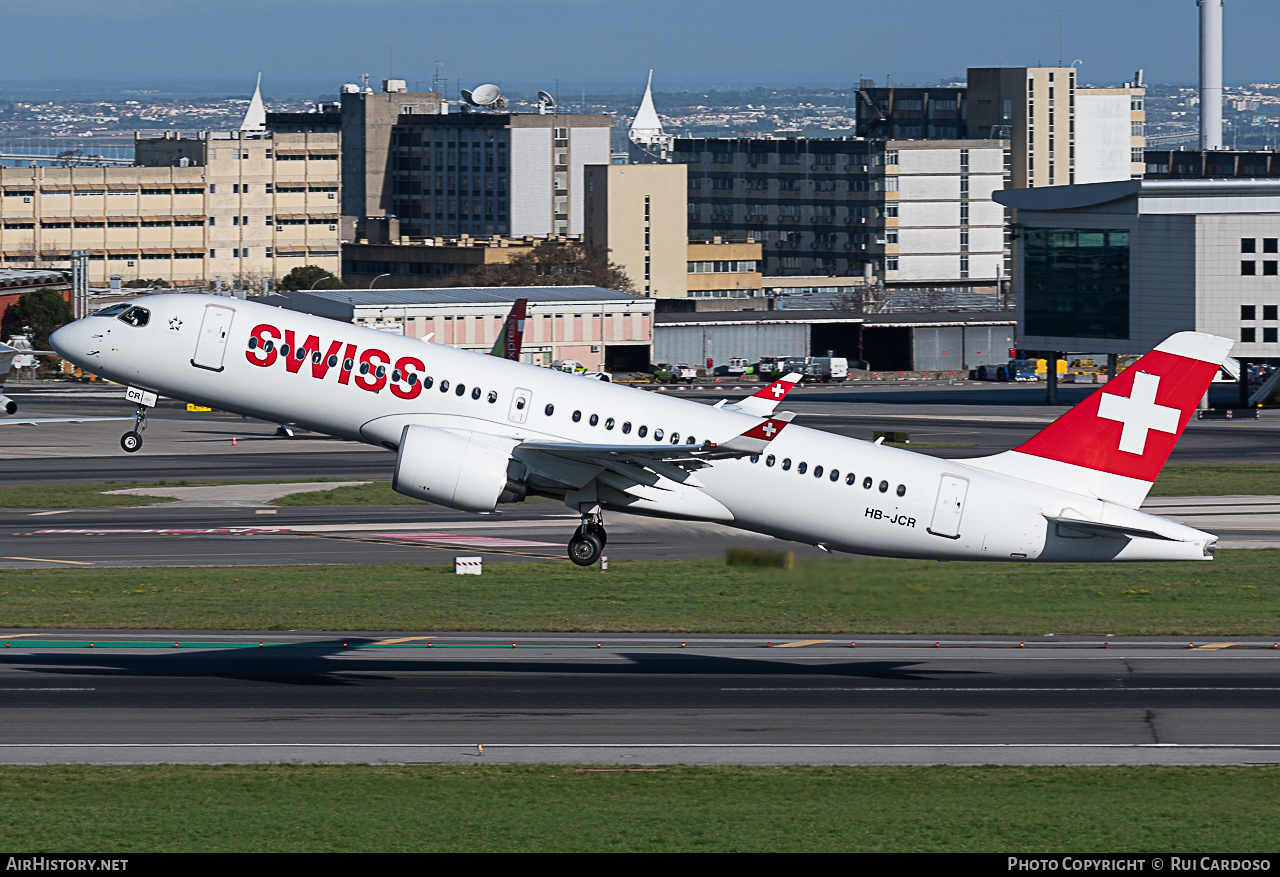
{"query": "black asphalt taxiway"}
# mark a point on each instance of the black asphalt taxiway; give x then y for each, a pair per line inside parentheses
(208, 697)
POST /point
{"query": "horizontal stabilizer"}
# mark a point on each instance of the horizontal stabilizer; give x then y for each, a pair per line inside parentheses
(1113, 531)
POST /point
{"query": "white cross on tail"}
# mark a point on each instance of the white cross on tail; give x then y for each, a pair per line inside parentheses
(1139, 413)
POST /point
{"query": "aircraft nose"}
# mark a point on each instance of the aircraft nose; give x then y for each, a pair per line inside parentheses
(62, 339)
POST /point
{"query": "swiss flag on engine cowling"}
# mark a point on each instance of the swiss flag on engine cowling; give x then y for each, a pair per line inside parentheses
(1129, 427)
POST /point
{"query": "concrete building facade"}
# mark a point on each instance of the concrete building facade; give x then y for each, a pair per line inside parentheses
(638, 213)
(447, 170)
(246, 208)
(907, 212)
(1059, 134)
(599, 328)
(1118, 267)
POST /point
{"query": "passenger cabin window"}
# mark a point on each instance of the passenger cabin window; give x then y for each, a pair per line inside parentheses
(136, 316)
(549, 410)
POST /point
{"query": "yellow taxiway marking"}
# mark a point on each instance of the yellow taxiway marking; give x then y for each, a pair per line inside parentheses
(1211, 646)
(16, 635)
(265, 512)
(403, 639)
(803, 642)
(58, 512)
(52, 560)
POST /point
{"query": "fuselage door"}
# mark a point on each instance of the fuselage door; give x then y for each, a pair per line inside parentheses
(520, 403)
(211, 345)
(949, 507)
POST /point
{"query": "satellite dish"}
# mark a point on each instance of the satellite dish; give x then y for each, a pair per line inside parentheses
(546, 99)
(466, 96)
(485, 95)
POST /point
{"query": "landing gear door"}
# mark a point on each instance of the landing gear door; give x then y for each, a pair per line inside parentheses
(520, 403)
(949, 507)
(211, 345)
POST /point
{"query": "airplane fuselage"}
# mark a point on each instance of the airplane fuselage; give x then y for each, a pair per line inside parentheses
(808, 486)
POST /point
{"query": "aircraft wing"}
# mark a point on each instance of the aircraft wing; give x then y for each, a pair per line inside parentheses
(753, 441)
(761, 404)
(630, 466)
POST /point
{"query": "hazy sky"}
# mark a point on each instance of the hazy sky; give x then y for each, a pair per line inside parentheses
(610, 44)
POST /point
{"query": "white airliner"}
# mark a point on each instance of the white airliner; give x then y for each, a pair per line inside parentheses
(471, 431)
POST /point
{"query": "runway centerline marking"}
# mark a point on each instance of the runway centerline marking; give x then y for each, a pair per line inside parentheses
(52, 560)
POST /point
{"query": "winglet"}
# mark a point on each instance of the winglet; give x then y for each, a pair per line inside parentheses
(757, 438)
(763, 403)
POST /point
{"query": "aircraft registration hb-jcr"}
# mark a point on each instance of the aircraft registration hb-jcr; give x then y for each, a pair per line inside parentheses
(471, 431)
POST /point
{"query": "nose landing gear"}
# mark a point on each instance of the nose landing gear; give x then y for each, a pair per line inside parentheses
(588, 540)
(131, 441)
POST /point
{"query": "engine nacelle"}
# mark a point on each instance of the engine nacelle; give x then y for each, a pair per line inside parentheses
(461, 470)
(8, 405)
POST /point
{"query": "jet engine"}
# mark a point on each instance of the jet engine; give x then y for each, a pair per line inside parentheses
(469, 471)
(8, 405)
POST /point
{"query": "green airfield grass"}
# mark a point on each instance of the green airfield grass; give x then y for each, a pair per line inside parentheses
(1235, 595)
(557, 808)
(1218, 479)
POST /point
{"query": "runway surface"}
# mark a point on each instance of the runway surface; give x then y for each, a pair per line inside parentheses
(635, 699)
(248, 534)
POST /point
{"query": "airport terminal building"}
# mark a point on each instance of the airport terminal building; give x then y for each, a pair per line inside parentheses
(599, 328)
(1118, 267)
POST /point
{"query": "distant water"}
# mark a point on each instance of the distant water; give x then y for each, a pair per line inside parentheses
(88, 147)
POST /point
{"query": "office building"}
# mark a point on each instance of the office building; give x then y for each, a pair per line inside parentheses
(241, 207)
(911, 213)
(1118, 267)
(1059, 133)
(446, 169)
(1201, 164)
(638, 213)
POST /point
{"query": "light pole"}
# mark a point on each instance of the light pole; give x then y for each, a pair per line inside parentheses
(376, 279)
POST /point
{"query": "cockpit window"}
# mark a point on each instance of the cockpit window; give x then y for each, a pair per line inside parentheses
(112, 311)
(136, 316)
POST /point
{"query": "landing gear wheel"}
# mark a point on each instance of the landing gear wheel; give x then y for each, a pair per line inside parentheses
(584, 548)
(130, 441)
(597, 530)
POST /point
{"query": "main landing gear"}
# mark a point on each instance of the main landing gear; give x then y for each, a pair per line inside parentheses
(132, 440)
(588, 540)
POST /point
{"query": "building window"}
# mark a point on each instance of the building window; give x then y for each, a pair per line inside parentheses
(1268, 312)
(1076, 282)
(1248, 312)
(1269, 245)
(1248, 268)
(1248, 335)
(1248, 245)
(1269, 268)
(1269, 335)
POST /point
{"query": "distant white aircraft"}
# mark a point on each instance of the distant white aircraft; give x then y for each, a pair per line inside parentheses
(13, 356)
(471, 431)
